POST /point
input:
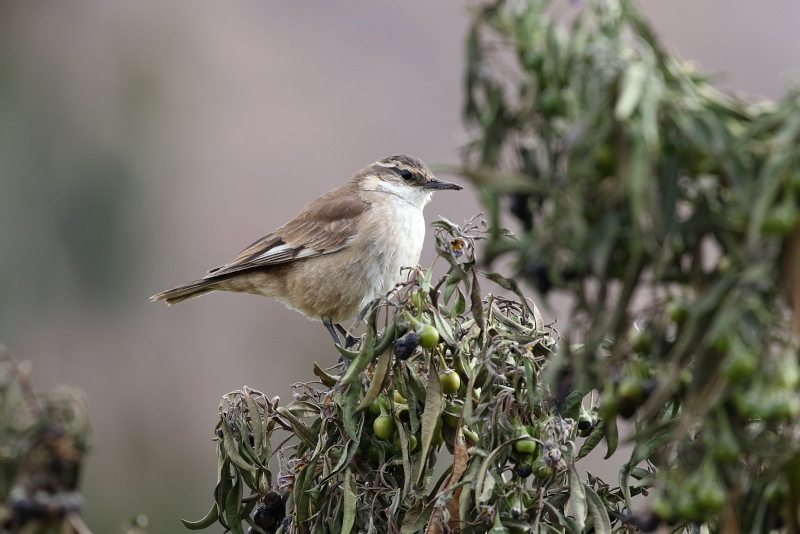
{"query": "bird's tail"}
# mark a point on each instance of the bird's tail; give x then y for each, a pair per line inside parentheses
(186, 291)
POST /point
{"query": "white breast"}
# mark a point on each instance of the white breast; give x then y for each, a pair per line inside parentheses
(391, 236)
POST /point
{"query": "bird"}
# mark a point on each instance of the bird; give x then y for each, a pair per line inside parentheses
(342, 251)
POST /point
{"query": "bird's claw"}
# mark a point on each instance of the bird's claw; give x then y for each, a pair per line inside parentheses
(350, 341)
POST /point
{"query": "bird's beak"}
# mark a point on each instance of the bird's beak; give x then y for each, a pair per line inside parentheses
(441, 184)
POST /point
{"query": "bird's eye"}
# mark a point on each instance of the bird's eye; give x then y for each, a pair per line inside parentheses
(406, 174)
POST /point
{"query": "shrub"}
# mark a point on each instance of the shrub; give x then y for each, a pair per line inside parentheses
(668, 211)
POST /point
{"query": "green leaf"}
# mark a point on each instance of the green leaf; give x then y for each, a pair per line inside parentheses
(303, 409)
(408, 468)
(565, 521)
(434, 406)
(349, 414)
(415, 383)
(416, 517)
(371, 526)
(641, 451)
(573, 401)
(378, 379)
(489, 482)
(577, 498)
(350, 453)
(349, 354)
(476, 304)
(592, 441)
(597, 509)
(425, 284)
(530, 384)
(450, 285)
(510, 285)
(444, 328)
(207, 521)
(360, 362)
(460, 305)
(233, 505)
(223, 486)
(403, 376)
(611, 435)
(303, 483)
(480, 477)
(633, 84)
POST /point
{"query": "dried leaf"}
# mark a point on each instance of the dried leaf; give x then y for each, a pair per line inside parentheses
(325, 378)
(255, 423)
(350, 501)
(301, 429)
(231, 448)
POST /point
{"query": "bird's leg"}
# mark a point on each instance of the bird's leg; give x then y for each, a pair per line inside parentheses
(349, 340)
(332, 331)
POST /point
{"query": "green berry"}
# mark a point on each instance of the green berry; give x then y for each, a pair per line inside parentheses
(740, 366)
(677, 312)
(711, 496)
(641, 341)
(542, 471)
(380, 405)
(384, 427)
(605, 160)
(449, 380)
(428, 336)
(451, 415)
(401, 413)
(470, 435)
(526, 446)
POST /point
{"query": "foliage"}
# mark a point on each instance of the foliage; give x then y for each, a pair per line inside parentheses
(43, 438)
(452, 370)
(669, 212)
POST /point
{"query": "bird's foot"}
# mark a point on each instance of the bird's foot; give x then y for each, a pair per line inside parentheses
(351, 341)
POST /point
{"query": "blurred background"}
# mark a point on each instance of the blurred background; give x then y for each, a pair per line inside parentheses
(142, 143)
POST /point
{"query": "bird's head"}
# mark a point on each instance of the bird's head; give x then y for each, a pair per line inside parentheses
(403, 176)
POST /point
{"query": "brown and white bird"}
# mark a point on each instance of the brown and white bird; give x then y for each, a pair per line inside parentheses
(340, 252)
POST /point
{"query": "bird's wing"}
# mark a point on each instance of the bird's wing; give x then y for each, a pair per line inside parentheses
(325, 226)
